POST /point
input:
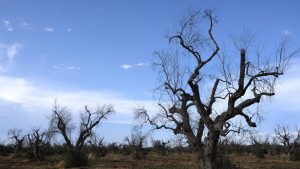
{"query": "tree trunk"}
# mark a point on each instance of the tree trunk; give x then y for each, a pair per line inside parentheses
(290, 155)
(16, 152)
(210, 151)
(198, 155)
(35, 153)
(199, 159)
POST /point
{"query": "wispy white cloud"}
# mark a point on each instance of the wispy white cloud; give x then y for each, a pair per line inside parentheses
(69, 29)
(128, 66)
(24, 23)
(58, 66)
(7, 25)
(63, 66)
(286, 32)
(74, 68)
(142, 64)
(49, 29)
(287, 90)
(35, 98)
(32, 103)
(12, 51)
(8, 53)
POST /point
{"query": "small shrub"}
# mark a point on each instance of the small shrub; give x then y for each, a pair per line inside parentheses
(75, 158)
(225, 163)
(259, 153)
(296, 156)
(126, 150)
(29, 154)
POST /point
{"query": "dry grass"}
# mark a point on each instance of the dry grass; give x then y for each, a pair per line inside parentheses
(182, 161)
(269, 162)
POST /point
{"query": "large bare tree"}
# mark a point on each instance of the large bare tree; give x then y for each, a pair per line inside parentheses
(201, 91)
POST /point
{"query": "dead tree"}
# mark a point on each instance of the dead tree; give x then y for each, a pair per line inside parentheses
(200, 92)
(95, 141)
(61, 122)
(97, 146)
(18, 138)
(259, 145)
(290, 142)
(38, 140)
(137, 143)
(160, 147)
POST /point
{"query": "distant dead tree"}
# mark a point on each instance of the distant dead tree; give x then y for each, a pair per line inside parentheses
(160, 146)
(97, 146)
(61, 122)
(259, 145)
(18, 138)
(290, 142)
(137, 143)
(95, 141)
(201, 90)
(38, 140)
(179, 144)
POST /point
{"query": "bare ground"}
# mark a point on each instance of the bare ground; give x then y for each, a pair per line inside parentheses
(179, 161)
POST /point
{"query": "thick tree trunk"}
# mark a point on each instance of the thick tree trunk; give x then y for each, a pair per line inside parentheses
(35, 153)
(16, 152)
(290, 155)
(198, 156)
(210, 151)
(199, 160)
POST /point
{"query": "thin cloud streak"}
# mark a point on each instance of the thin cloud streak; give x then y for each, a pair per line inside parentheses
(7, 25)
(63, 66)
(287, 32)
(49, 29)
(74, 68)
(125, 66)
(129, 66)
(24, 24)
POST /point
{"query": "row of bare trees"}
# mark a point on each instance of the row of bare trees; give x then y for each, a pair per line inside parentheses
(138, 145)
(61, 124)
(36, 139)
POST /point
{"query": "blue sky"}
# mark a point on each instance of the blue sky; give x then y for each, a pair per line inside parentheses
(100, 52)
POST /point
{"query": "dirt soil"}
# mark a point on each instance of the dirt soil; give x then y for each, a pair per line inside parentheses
(179, 161)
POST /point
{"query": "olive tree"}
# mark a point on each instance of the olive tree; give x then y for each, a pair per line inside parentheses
(61, 122)
(202, 91)
(18, 138)
(37, 141)
(137, 143)
(288, 140)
